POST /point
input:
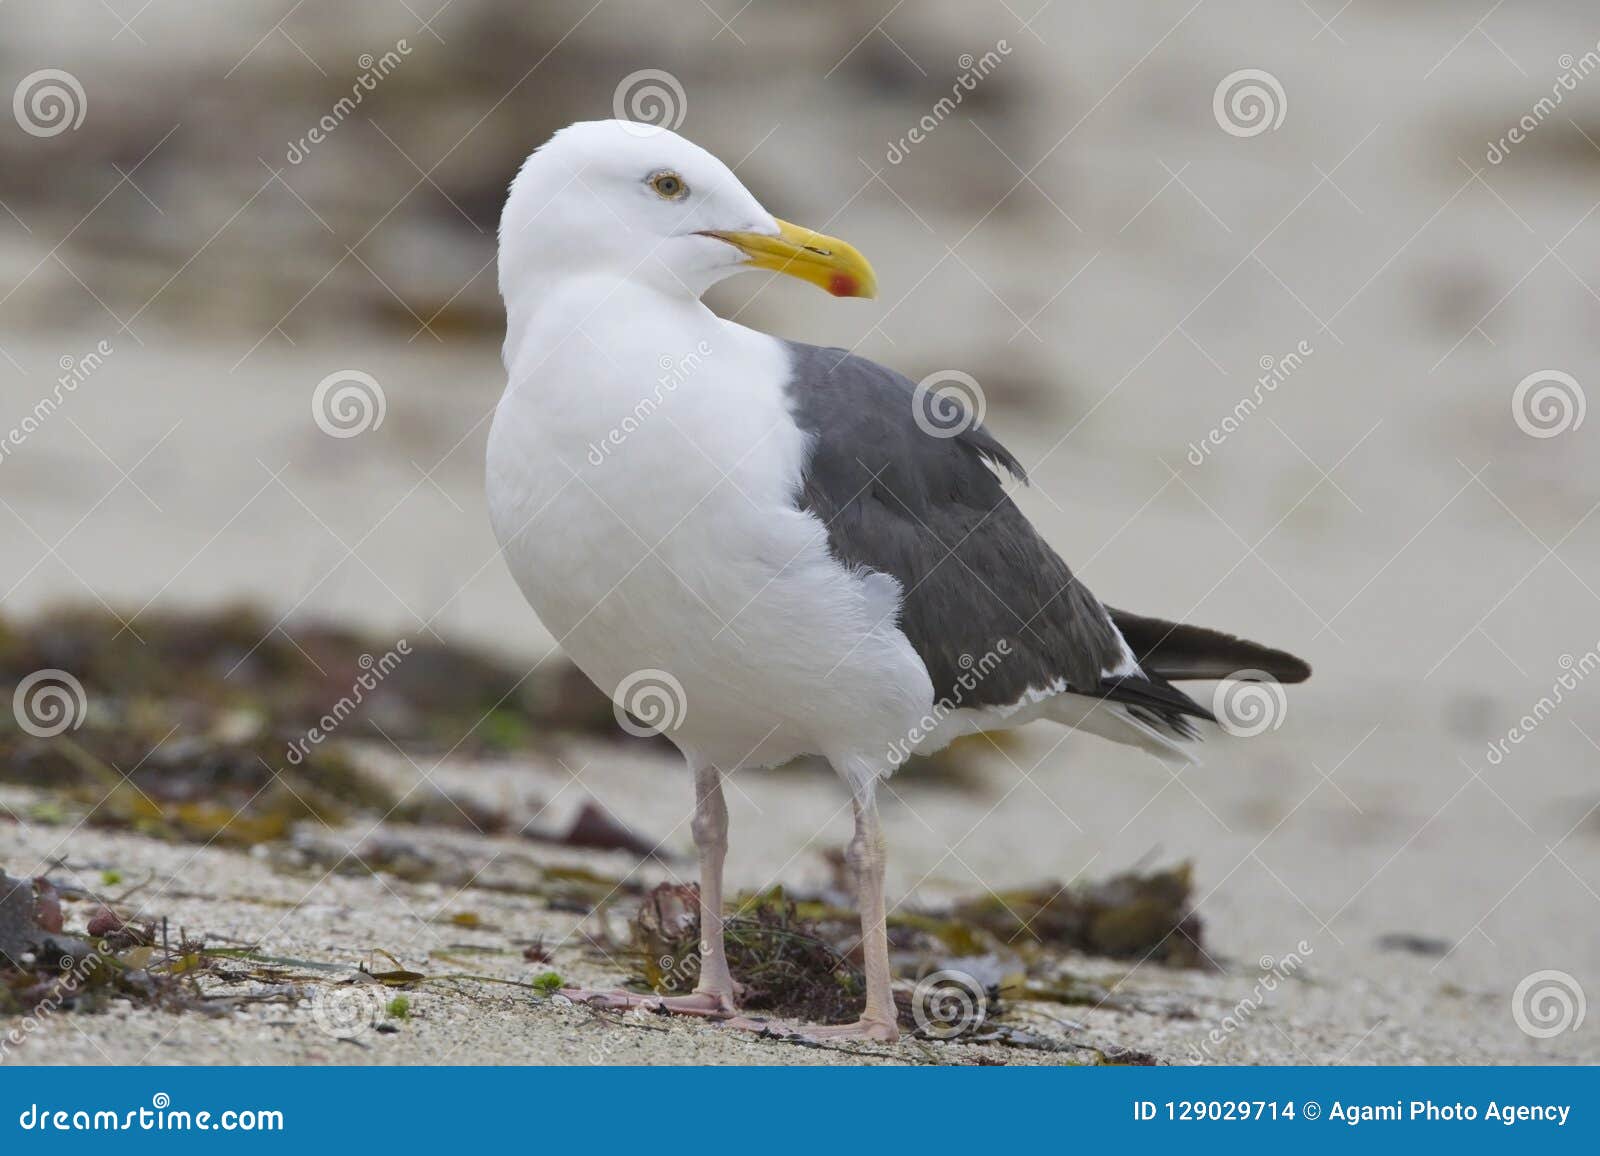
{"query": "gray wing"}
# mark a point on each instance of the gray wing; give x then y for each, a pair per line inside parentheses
(929, 511)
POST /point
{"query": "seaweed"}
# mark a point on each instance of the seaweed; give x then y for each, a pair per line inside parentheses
(794, 957)
(227, 728)
(1128, 916)
(268, 675)
(597, 829)
(784, 962)
(195, 790)
(46, 969)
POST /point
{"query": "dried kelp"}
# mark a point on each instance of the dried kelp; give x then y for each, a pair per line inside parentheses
(46, 969)
(1129, 916)
(226, 727)
(284, 679)
(786, 967)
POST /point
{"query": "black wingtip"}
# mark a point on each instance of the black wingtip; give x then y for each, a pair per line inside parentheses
(1290, 668)
(1177, 651)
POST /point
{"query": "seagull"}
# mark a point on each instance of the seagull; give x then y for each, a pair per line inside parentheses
(768, 549)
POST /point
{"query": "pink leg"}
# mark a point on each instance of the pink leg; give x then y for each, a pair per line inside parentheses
(714, 996)
(866, 856)
(710, 826)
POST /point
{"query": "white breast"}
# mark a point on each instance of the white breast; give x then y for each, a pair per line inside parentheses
(643, 470)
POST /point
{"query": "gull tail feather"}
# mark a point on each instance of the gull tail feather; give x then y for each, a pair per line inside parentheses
(1161, 731)
(1175, 650)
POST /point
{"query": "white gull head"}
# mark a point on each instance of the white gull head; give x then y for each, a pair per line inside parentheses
(619, 200)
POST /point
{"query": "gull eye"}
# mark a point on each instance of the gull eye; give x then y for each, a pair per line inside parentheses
(669, 186)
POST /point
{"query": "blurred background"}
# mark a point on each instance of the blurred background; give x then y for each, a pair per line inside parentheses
(1288, 309)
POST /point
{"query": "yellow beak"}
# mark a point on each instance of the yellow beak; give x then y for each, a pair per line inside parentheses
(827, 262)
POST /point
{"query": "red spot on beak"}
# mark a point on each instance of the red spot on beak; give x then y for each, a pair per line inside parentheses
(842, 285)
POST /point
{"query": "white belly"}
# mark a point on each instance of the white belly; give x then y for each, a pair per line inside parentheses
(665, 537)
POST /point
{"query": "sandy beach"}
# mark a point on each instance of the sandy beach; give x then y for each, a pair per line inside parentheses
(1419, 826)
